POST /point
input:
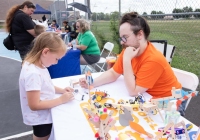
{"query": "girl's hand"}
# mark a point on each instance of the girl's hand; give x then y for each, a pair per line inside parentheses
(66, 97)
(83, 83)
(69, 89)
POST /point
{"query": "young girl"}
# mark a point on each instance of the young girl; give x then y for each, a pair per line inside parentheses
(36, 88)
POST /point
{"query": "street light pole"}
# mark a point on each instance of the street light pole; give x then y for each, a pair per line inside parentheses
(104, 9)
(119, 9)
(96, 13)
(74, 13)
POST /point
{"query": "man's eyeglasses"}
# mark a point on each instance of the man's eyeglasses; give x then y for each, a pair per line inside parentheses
(123, 38)
(77, 27)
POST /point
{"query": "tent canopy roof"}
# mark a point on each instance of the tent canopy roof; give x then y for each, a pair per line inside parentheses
(40, 10)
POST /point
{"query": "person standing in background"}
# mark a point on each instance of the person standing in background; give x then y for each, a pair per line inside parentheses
(67, 28)
(54, 24)
(74, 33)
(20, 25)
(44, 18)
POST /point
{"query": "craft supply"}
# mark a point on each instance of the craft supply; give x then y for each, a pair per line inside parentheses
(74, 44)
(189, 126)
(172, 115)
(139, 129)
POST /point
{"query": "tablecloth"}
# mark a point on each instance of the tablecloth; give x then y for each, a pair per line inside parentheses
(69, 65)
(71, 123)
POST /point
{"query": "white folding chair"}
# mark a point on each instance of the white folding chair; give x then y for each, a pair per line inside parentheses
(170, 52)
(107, 49)
(166, 49)
(187, 79)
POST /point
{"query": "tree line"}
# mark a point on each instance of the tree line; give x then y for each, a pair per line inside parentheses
(108, 16)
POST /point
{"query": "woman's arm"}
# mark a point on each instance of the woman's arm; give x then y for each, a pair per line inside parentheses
(32, 32)
(81, 47)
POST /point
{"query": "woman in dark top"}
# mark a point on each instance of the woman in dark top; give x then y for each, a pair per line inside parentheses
(74, 33)
(21, 26)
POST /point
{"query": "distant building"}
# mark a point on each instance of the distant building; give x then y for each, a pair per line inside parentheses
(168, 18)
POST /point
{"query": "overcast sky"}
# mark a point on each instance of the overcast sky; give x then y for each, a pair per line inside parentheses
(166, 6)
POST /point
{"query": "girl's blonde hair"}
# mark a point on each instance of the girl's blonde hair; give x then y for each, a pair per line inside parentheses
(45, 40)
(84, 25)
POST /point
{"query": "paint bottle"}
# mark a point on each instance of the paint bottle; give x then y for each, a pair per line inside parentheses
(172, 115)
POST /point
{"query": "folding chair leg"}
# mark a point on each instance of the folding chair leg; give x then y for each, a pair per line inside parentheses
(102, 68)
(84, 69)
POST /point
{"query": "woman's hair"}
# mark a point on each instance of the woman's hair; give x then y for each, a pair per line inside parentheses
(12, 10)
(65, 22)
(137, 22)
(84, 25)
(45, 40)
(74, 26)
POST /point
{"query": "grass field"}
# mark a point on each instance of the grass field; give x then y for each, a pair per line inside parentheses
(184, 34)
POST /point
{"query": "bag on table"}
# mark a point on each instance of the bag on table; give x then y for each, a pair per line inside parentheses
(8, 43)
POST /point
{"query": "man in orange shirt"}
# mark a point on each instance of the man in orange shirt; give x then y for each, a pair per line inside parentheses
(145, 69)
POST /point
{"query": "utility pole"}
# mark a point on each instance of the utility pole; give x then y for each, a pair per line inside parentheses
(74, 13)
(119, 9)
(89, 14)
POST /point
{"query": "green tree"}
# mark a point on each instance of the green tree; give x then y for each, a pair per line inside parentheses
(175, 10)
(153, 13)
(197, 16)
(94, 15)
(144, 13)
(107, 16)
(114, 27)
(186, 10)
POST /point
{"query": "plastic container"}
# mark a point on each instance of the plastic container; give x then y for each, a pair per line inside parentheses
(74, 44)
(172, 115)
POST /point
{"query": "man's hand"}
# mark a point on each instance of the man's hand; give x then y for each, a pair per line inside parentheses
(130, 53)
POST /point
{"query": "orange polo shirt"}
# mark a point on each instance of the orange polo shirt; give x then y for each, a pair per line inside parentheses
(151, 71)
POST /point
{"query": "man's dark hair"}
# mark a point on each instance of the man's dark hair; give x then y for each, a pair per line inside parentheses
(137, 22)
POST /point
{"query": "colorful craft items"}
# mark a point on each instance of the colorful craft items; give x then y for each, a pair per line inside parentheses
(97, 105)
(177, 131)
(100, 95)
(89, 78)
(96, 119)
(139, 129)
(189, 126)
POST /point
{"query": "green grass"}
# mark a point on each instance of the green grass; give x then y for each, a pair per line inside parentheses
(184, 34)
